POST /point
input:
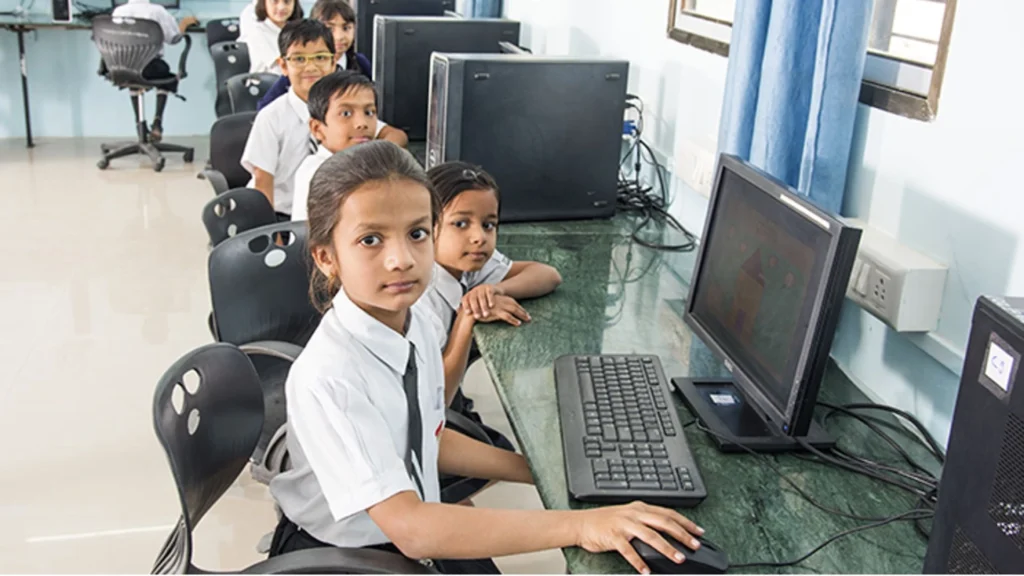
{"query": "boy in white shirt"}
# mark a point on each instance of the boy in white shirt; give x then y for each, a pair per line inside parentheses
(157, 69)
(280, 139)
(343, 113)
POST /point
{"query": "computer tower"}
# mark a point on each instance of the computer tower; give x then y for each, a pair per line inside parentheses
(62, 11)
(979, 520)
(401, 60)
(548, 128)
(367, 10)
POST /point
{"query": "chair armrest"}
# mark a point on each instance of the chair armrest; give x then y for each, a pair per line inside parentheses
(456, 421)
(216, 179)
(182, 73)
(338, 561)
(283, 350)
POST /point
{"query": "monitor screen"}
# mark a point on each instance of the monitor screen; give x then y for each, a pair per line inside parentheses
(760, 279)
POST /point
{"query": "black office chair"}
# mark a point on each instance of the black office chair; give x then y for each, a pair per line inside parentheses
(228, 136)
(229, 59)
(246, 90)
(223, 30)
(126, 46)
(208, 415)
(236, 211)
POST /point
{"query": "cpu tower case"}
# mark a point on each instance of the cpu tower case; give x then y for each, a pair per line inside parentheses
(548, 129)
(401, 60)
(979, 520)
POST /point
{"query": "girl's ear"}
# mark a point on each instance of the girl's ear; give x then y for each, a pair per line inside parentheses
(324, 260)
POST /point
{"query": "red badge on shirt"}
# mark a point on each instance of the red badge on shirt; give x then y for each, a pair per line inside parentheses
(440, 426)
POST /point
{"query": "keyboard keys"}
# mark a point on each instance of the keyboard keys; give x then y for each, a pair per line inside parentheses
(645, 485)
(608, 431)
(601, 466)
(611, 485)
(602, 476)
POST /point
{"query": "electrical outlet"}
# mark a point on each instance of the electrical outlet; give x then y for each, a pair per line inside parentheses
(900, 286)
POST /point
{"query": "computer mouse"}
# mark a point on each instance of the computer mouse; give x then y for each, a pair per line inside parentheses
(707, 559)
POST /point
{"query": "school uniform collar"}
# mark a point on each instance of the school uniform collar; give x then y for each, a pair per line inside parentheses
(297, 105)
(387, 345)
(451, 289)
(138, 1)
(343, 61)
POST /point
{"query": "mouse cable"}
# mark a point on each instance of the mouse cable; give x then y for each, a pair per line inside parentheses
(875, 425)
(915, 514)
(771, 464)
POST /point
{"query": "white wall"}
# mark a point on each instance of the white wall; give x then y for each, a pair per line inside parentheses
(950, 188)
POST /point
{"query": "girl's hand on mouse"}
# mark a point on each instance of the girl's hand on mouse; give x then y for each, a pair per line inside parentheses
(613, 527)
(507, 309)
(481, 300)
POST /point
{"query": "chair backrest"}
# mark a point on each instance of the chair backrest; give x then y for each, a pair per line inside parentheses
(223, 30)
(227, 143)
(208, 415)
(246, 90)
(127, 45)
(236, 211)
(229, 59)
(259, 289)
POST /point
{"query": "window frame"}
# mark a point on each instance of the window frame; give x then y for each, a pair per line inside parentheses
(893, 99)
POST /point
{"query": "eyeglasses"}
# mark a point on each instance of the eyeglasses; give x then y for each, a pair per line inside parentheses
(320, 59)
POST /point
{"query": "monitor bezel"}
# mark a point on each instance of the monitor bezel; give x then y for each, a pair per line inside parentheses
(786, 417)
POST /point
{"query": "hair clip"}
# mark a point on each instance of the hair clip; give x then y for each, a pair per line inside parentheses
(470, 174)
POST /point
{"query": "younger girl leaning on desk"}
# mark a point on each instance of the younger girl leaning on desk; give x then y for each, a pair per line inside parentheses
(366, 403)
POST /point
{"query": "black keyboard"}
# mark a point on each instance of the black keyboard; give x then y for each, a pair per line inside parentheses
(621, 433)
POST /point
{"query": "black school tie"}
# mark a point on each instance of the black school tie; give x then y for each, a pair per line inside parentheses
(414, 448)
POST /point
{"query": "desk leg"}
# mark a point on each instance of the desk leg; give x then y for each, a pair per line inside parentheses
(24, 87)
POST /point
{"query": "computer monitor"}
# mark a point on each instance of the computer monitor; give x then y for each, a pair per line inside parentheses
(980, 511)
(548, 128)
(401, 60)
(769, 280)
(169, 4)
(367, 11)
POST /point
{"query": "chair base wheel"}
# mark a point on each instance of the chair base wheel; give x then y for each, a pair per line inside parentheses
(159, 165)
(189, 156)
(103, 164)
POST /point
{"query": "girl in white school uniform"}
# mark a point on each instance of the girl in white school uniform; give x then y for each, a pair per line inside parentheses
(366, 398)
(473, 282)
(261, 39)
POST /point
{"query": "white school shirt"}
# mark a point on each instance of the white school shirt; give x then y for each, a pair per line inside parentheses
(263, 48)
(348, 423)
(145, 10)
(304, 175)
(247, 19)
(444, 296)
(278, 143)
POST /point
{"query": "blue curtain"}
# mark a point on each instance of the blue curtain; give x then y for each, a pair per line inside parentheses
(795, 69)
(483, 8)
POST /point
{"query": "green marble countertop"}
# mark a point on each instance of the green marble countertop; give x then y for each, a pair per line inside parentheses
(623, 298)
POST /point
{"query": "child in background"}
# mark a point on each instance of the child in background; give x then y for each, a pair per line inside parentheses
(473, 282)
(341, 19)
(342, 113)
(280, 139)
(262, 39)
(365, 399)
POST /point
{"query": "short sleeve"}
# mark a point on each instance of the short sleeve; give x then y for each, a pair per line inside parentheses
(381, 125)
(169, 26)
(493, 272)
(347, 444)
(263, 148)
(303, 177)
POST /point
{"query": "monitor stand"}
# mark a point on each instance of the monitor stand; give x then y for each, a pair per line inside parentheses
(724, 411)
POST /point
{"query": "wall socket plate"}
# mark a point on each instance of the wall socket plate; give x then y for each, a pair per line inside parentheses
(897, 284)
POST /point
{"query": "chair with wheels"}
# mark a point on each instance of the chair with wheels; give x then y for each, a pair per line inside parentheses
(229, 59)
(130, 49)
(208, 416)
(227, 143)
(236, 211)
(246, 90)
(222, 30)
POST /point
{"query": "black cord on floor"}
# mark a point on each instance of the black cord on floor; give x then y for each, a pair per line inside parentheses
(914, 515)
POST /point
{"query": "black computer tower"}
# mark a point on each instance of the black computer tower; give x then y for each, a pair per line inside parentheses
(979, 521)
(367, 10)
(401, 60)
(549, 129)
